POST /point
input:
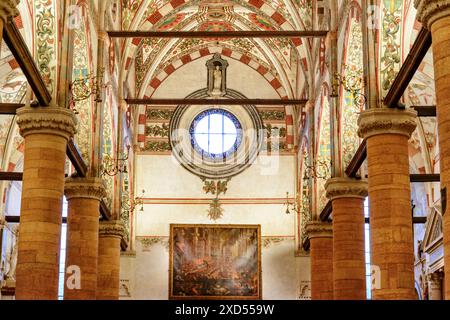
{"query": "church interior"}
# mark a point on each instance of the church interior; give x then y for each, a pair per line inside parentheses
(224, 150)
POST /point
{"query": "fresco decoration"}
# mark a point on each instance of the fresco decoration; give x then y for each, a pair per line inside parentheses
(305, 9)
(215, 262)
(350, 108)
(391, 37)
(81, 69)
(46, 41)
(323, 154)
(129, 9)
(157, 146)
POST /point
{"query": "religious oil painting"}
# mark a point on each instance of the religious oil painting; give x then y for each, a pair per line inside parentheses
(215, 262)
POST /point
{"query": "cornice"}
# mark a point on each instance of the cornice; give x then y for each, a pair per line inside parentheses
(51, 120)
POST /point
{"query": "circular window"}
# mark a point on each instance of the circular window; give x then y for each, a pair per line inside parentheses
(216, 133)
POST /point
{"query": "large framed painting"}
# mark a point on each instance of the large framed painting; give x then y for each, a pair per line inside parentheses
(212, 262)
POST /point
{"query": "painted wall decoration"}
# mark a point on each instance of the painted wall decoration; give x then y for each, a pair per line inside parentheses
(45, 21)
(323, 154)
(215, 262)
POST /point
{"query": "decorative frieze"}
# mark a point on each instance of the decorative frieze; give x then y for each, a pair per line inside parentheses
(319, 229)
(346, 188)
(52, 120)
(387, 121)
(91, 188)
(429, 11)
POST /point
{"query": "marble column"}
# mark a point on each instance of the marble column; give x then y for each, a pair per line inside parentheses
(321, 252)
(435, 286)
(392, 250)
(349, 275)
(8, 9)
(46, 131)
(83, 196)
(435, 15)
(110, 236)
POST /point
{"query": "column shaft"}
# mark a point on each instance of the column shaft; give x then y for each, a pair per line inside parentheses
(83, 195)
(46, 131)
(111, 234)
(349, 276)
(392, 251)
(321, 252)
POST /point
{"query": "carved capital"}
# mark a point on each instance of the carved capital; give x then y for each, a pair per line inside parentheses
(8, 9)
(346, 188)
(387, 121)
(429, 11)
(51, 120)
(111, 229)
(435, 277)
(88, 188)
(319, 229)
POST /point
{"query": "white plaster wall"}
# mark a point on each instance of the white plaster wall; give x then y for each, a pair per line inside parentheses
(255, 196)
(165, 180)
(193, 76)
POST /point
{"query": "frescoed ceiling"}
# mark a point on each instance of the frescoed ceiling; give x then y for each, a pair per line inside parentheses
(277, 55)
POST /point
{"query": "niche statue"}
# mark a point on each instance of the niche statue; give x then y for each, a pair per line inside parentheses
(217, 76)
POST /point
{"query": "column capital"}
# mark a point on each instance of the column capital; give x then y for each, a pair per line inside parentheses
(346, 188)
(2, 222)
(8, 9)
(429, 11)
(88, 188)
(435, 277)
(378, 121)
(112, 229)
(319, 229)
(51, 120)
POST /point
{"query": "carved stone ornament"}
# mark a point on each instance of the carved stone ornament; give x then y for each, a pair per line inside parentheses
(88, 188)
(429, 11)
(8, 9)
(319, 229)
(112, 229)
(378, 121)
(346, 188)
(52, 120)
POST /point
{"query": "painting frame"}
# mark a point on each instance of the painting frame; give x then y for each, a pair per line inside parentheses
(171, 294)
